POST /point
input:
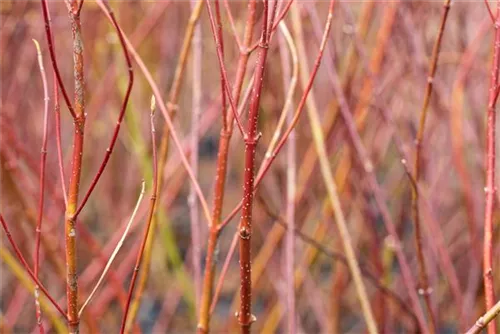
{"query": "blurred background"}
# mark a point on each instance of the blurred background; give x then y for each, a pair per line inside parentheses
(377, 55)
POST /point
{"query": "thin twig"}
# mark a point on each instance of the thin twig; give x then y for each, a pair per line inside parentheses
(423, 278)
(151, 212)
(43, 159)
(48, 31)
(195, 138)
(169, 123)
(490, 187)
(434, 230)
(485, 319)
(233, 26)
(468, 59)
(116, 250)
(291, 172)
(114, 137)
(172, 109)
(60, 160)
(490, 12)
(290, 91)
(220, 56)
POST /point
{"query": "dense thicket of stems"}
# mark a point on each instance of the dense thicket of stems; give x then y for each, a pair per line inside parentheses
(325, 237)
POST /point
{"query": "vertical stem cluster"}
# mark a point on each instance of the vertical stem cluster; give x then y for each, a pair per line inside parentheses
(490, 188)
(220, 178)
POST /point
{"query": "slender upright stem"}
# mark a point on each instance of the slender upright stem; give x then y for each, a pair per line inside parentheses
(219, 40)
(60, 160)
(43, 158)
(115, 251)
(490, 188)
(195, 138)
(151, 211)
(48, 31)
(245, 316)
(457, 120)
(291, 171)
(290, 237)
(57, 107)
(424, 288)
(74, 183)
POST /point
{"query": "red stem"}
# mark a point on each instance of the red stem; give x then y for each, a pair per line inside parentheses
(233, 26)
(109, 150)
(245, 316)
(225, 137)
(267, 163)
(48, 31)
(60, 160)
(490, 188)
(490, 13)
(220, 45)
(275, 25)
(57, 111)
(76, 169)
(220, 57)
